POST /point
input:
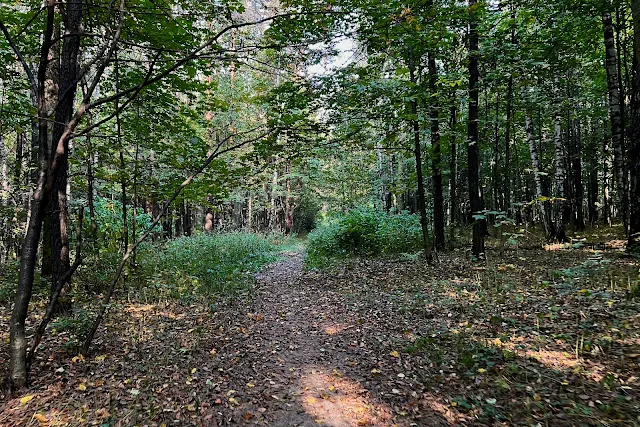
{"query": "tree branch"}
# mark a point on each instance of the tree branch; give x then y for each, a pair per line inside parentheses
(25, 65)
(217, 152)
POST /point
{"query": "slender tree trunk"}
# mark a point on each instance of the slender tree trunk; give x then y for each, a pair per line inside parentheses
(90, 186)
(576, 163)
(453, 172)
(616, 118)
(473, 156)
(250, 212)
(495, 161)
(606, 167)
(123, 165)
(436, 160)
(545, 215)
(507, 149)
(5, 190)
(593, 192)
(560, 175)
(273, 211)
(417, 152)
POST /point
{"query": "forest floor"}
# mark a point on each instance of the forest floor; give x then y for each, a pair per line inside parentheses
(534, 337)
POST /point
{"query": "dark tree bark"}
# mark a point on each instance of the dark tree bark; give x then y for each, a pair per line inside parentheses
(436, 160)
(58, 205)
(453, 172)
(417, 153)
(473, 156)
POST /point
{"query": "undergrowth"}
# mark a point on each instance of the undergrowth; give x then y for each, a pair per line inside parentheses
(207, 265)
(363, 232)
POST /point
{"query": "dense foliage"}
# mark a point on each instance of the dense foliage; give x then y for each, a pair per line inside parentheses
(363, 232)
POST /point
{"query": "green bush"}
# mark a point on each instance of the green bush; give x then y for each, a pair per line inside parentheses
(207, 264)
(363, 232)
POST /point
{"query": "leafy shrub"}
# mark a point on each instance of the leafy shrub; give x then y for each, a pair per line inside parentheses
(109, 221)
(8, 280)
(363, 232)
(207, 264)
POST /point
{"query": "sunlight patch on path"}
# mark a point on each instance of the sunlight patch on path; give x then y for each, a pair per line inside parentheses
(339, 402)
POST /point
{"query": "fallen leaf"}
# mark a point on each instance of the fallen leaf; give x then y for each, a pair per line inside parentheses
(42, 419)
(26, 399)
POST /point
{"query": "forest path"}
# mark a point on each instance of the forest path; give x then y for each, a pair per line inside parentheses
(298, 355)
(308, 361)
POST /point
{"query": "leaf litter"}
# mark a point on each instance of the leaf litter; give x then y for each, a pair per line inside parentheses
(536, 338)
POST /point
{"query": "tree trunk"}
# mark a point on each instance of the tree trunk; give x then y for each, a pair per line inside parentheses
(615, 116)
(4, 175)
(507, 150)
(473, 157)
(417, 152)
(436, 165)
(289, 207)
(560, 175)
(453, 172)
(90, 186)
(545, 215)
(68, 85)
(123, 165)
(593, 187)
(606, 167)
(576, 163)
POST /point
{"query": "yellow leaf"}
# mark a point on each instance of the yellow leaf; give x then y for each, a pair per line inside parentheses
(101, 358)
(81, 387)
(191, 408)
(193, 371)
(251, 385)
(375, 371)
(234, 401)
(26, 399)
(78, 358)
(394, 353)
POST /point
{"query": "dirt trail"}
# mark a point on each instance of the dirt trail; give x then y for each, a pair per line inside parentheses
(296, 350)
